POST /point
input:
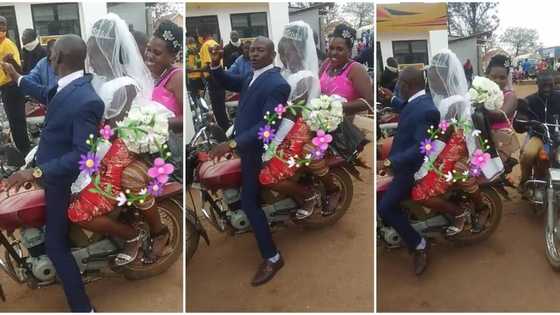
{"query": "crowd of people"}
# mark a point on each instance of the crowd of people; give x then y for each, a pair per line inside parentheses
(89, 88)
(434, 97)
(304, 74)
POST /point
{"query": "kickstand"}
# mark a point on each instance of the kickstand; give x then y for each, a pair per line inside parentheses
(2, 295)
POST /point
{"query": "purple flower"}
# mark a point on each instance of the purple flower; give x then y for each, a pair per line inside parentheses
(317, 153)
(155, 188)
(426, 146)
(322, 140)
(161, 170)
(475, 171)
(266, 133)
(89, 163)
(106, 132)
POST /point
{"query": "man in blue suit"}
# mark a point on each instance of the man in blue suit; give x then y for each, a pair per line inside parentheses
(417, 114)
(260, 92)
(43, 73)
(74, 112)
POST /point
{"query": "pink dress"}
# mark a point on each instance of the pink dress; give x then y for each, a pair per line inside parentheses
(340, 85)
(166, 97)
(504, 124)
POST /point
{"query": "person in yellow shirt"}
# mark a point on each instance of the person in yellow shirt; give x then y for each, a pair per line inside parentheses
(216, 91)
(12, 97)
(195, 84)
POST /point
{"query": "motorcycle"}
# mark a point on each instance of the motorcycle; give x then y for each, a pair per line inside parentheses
(542, 192)
(430, 224)
(22, 235)
(219, 188)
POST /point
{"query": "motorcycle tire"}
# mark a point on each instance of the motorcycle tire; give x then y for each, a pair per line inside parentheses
(495, 216)
(316, 221)
(193, 236)
(171, 209)
(551, 247)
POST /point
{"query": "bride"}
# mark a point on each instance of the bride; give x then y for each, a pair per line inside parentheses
(298, 56)
(123, 82)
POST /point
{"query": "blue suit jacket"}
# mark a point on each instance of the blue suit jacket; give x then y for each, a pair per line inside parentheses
(268, 90)
(73, 114)
(43, 74)
(414, 120)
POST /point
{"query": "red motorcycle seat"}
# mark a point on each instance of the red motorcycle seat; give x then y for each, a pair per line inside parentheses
(224, 174)
(25, 207)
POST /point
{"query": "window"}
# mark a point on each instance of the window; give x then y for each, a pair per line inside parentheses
(250, 24)
(10, 14)
(195, 24)
(411, 51)
(56, 18)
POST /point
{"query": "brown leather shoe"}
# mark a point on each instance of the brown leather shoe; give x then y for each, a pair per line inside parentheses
(266, 271)
(421, 259)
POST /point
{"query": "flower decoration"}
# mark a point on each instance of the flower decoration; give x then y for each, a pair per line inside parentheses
(477, 161)
(322, 140)
(161, 170)
(322, 115)
(143, 131)
(106, 132)
(266, 133)
(89, 163)
(280, 110)
(426, 147)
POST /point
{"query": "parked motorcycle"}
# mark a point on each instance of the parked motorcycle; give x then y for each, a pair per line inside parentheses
(22, 234)
(478, 226)
(219, 193)
(543, 193)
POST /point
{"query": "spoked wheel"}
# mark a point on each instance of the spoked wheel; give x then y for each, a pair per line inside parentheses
(192, 235)
(319, 219)
(552, 238)
(489, 222)
(171, 212)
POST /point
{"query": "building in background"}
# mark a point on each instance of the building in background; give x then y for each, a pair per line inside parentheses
(249, 19)
(471, 47)
(314, 15)
(410, 32)
(51, 20)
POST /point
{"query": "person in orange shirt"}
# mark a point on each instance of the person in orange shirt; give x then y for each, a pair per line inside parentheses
(12, 97)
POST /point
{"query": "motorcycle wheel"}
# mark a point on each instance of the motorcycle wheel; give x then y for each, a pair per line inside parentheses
(492, 199)
(317, 220)
(552, 240)
(193, 236)
(171, 211)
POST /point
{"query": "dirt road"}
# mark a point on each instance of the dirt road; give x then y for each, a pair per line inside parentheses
(116, 294)
(326, 270)
(508, 272)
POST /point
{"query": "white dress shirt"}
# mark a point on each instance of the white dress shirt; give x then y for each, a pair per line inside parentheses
(418, 94)
(258, 72)
(65, 80)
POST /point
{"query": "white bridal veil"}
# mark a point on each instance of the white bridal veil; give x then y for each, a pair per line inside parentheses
(114, 59)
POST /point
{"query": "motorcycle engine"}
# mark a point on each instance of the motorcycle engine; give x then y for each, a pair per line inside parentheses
(34, 240)
(239, 220)
(390, 236)
(42, 268)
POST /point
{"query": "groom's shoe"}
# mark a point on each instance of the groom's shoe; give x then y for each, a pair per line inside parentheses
(421, 259)
(266, 271)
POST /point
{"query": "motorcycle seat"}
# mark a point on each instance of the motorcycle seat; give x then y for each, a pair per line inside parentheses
(224, 174)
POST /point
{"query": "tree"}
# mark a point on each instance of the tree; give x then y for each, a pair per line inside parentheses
(520, 39)
(360, 13)
(469, 18)
(166, 8)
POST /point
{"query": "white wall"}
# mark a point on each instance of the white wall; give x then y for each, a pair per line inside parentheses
(133, 13)
(466, 49)
(277, 15)
(89, 13)
(437, 40)
(23, 16)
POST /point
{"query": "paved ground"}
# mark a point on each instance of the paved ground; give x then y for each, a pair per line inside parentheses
(508, 272)
(326, 270)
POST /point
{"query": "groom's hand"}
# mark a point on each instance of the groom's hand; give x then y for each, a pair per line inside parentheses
(219, 151)
(10, 71)
(216, 54)
(19, 178)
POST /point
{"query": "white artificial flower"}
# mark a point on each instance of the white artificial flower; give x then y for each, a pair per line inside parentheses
(291, 162)
(476, 133)
(449, 177)
(143, 191)
(466, 173)
(308, 157)
(121, 198)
